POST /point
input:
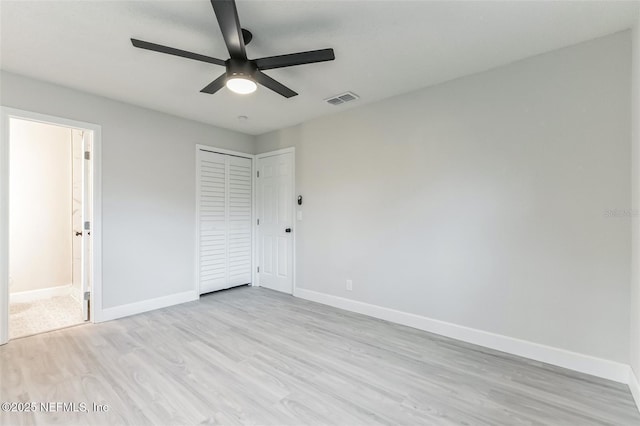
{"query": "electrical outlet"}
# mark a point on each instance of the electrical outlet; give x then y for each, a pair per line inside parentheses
(349, 285)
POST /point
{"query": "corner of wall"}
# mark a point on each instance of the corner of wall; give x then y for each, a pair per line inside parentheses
(635, 205)
(278, 139)
(634, 387)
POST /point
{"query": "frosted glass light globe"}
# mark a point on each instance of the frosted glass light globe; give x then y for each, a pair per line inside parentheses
(241, 85)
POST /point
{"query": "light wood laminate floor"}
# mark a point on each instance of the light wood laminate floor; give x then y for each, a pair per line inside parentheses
(254, 356)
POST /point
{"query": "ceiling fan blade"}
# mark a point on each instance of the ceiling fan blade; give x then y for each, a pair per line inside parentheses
(176, 52)
(227, 15)
(272, 84)
(292, 59)
(215, 85)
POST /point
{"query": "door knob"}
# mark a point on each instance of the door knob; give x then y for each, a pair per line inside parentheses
(287, 230)
(78, 234)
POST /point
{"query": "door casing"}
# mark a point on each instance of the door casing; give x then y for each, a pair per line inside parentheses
(6, 114)
(200, 147)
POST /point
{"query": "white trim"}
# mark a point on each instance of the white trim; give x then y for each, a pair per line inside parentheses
(95, 311)
(223, 151)
(254, 230)
(559, 357)
(294, 216)
(121, 311)
(209, 148)
(196, 265)
(39, 294)
(96, 232)
(291, 149)
(634, 387)
(4, 226)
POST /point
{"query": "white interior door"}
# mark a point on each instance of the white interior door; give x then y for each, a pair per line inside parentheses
(87, 222)
(77, 172)
(224, 221)
(275, 228)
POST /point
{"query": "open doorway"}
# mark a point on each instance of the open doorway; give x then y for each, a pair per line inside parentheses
(50, 215)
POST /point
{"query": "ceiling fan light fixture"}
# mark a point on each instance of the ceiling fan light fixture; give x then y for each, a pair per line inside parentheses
(242, 74)
(241, 85)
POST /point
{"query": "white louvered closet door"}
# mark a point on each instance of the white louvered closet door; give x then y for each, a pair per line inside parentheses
(224, 214)
(239, 220)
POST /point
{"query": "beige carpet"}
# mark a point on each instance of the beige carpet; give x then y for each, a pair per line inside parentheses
(39, 316)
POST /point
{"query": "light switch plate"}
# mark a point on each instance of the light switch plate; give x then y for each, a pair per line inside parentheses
(299, 214)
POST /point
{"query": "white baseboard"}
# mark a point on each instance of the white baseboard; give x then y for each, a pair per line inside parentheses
(559, 357)
(121, 311)
(76, 294)
(43, 293)
(634, 386)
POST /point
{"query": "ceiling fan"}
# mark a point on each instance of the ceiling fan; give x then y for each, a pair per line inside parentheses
(242, 73)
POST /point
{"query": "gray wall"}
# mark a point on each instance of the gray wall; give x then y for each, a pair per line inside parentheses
(483, 201)
(148, 185)
(635, 254)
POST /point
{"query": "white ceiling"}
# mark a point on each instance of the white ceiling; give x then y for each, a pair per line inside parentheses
(383, 48)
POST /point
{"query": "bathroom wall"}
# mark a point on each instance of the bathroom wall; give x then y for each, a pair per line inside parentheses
(40, 239)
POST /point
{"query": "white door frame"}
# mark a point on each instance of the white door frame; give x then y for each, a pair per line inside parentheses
(213, 149)
(294, 216)
(6, 114)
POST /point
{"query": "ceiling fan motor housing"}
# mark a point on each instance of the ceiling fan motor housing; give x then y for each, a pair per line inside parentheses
(240, 68)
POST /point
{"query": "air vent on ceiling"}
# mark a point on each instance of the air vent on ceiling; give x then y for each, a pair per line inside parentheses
(342, 98)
